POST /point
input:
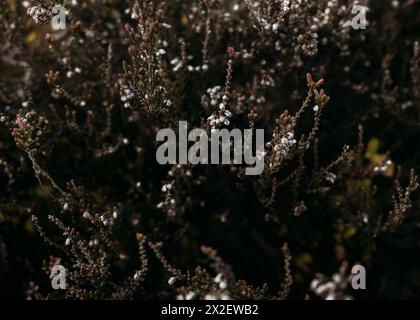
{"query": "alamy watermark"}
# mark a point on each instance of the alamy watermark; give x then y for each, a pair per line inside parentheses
(58, 277)
(359, 21)
(358, 280)
(57, 15)
(216, 149)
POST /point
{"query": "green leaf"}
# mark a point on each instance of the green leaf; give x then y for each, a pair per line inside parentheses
(372, 148)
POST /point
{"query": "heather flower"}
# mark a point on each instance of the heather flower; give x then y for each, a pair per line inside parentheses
(79, 112)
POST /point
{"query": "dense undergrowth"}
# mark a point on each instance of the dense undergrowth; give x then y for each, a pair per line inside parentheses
(79, 181)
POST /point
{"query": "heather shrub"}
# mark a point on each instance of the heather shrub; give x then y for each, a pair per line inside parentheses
(80, 185)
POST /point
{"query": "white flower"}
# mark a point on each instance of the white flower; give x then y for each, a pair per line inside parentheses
(314, 284)
(161, 52)
(365, 218)
(190, 295)
(336, 278)
(316, 108)
(177, 67)
(68, 240)
(330, 296)
(218, 278)
(223, 285)
(172, 281)
(134, 15)
(331, 177)
(166, 187)
(210, 297)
